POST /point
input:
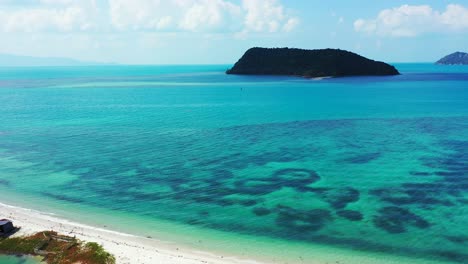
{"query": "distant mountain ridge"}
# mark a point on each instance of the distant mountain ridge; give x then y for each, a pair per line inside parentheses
(308, 63)
(9, 60)
(456, 58)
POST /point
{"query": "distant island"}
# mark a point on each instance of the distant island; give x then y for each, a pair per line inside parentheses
(308, 63)
(457, 58)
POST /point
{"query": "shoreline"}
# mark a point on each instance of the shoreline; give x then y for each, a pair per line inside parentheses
(126, 248)
(135, 249)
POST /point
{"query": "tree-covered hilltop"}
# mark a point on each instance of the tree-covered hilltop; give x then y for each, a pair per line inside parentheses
(308, 63)
(457, 58)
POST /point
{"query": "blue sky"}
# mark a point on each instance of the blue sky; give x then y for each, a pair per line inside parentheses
(219, 31)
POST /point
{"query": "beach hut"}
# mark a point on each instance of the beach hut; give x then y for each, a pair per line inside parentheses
(6, 226)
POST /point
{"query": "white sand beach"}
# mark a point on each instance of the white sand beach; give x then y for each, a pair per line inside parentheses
(126, 248)
(141, 250)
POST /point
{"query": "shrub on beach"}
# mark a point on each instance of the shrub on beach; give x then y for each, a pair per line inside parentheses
(56, 249)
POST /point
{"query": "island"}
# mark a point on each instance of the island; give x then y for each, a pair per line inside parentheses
(308, 63)
(456, 58)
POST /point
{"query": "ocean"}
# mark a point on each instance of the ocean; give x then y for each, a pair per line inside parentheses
(18, 260)
(276, 168)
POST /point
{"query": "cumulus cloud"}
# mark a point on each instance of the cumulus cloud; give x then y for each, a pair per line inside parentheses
(228, 16)
(267, 16)
(201, 15)
(56, 2)
(49, 15)
(291, 24)
(412, 20)
(175, 15)
(210, 15)
(138, 15)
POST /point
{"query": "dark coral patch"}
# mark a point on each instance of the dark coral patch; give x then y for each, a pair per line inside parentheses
(457, 239)
(256, 186)
(391, 225)
(239, 200)
(292, 177)
(204, 213)
(339, 198)
(4, 182)
(350, 215)
(420, 173)
(424, 194)
(452, 167)
(249, 202)
(214, 162)
(450, 173)
(224, 202)
(63, 198)
(362, 158)
(207, 199)
(396, 220)
(261, 211)
(197, 221)
(208, 192)
(145, 196)
(454, 176)
(222, 175)
(455, 163)
(302, 220)
(277, 156)
(236, 164)
(456, 257)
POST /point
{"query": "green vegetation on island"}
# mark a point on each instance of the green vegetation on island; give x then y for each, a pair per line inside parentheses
(308, 63)
(457, 58)
(56, 249)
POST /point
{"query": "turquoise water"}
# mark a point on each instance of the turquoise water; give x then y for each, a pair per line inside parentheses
(377, 165)
(18, 260)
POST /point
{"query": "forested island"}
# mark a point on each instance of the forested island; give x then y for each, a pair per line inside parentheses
(308, 63)
(456, 58)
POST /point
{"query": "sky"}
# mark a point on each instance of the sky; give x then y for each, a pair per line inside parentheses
(219, 31)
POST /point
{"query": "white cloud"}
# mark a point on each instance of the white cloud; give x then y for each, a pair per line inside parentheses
(175, 15)
(456, 17)
(205, 16)
(262, 15)
(56, 2)
(49, 15)
(210, 15)
(291, 24)
(139, 15)
(201, 15)
(409, 21)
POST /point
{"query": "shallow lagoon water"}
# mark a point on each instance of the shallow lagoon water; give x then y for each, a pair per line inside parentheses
(18, 260)
(373, 164)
